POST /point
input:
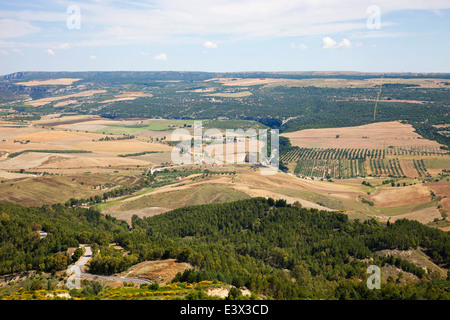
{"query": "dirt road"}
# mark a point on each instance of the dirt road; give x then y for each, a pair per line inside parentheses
(73, 282)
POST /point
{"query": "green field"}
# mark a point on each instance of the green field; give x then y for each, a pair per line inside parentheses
(437, 163)
(150, 125)
(395, 211)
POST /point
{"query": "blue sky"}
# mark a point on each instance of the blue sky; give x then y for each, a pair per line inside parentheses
(225, 35)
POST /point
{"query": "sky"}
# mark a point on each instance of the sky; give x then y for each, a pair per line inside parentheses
(225, 35)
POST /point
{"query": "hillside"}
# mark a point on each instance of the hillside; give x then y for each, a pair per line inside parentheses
(271, 248)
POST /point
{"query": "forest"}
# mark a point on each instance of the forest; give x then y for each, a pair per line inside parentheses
(274, 249)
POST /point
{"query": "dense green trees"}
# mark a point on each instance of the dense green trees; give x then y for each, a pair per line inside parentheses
(110, 261)
(21, 247)
(263, 244)
(267, 245)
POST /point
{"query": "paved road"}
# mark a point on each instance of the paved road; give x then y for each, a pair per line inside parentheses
(76, 270)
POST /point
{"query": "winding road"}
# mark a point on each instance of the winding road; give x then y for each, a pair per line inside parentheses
(73, 282)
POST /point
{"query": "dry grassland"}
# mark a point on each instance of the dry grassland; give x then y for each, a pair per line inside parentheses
(161, 271)
(424, 216)
(44, 101)
(378, 135)
(396, 197)
(117, 147)
(330, 82)
(125, 96)
(53, 82)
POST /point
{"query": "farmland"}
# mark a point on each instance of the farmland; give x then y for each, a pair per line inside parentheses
(376, 150)
(352, 163)
(97, 151)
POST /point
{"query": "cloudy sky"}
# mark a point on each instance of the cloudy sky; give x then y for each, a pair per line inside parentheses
(225, 35)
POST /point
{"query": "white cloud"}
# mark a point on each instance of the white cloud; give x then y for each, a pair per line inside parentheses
(10, 28)
(18, 51)
(50, 52)
(210, 45)
(62, 46)
(175, 21)
(161, 57)
(92, 57)
(300, 46)
(329, 43)
(345, 43)
(3, 53)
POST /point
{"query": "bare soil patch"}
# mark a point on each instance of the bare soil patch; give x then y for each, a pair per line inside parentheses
(408, 168)
(124, 96)
(330, 82)
(92, 162)
(424, 216)
(27, 161)
(117, 147)
(12, 175)
(378, 135)
(396, 197)
(44, 101)
(65, 103)
(160, 271)
(53, 82)
(442, 189)
(141, 213)
(59, 136)
(56, 120)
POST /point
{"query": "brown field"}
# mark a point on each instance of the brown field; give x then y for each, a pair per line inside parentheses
(121, 147)
(221, 188)
(330, 82)
(29, 160)
(442, 189)
(408, 168)
(11, 175)
(92, 162)
(65, 103)
(8, 132)
(124, 96)
(424, 216)
(57, 136)
(89, 123)
(10, 146)
(56, 119)
(160, 271)
(378, 135)
(412, 202)
(396, 197)
(44, 101)
(53, 82)
(142, 213)
(156, 158)
(36, 191)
